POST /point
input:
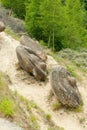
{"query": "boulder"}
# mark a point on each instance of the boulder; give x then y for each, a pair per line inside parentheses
(34, 45)
(31, 62)
(13, 23)
(2, 26)
(64, 87)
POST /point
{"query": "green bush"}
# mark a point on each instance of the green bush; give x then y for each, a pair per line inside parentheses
(6, 107)
(56, 105)
(71, 71)
(48, 117)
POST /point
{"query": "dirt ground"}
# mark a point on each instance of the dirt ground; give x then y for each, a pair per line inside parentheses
(31, 89)
(6, 125)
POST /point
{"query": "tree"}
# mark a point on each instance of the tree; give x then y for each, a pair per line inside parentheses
(85, 3)
(16, 6)
(73, 30)
(6, 3)
(51, 22)
(32, 18)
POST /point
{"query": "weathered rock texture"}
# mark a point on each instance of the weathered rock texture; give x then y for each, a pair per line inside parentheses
(31, 62)
(14, 24)
(2, 26)
(64, 87)
(34, 45)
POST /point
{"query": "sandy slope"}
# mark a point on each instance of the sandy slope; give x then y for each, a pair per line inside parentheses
(6, 125)
(38, 91)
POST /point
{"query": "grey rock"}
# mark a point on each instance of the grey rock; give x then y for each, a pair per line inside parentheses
(64, 87)
(31, 62)
(34, 45)
(14, 24)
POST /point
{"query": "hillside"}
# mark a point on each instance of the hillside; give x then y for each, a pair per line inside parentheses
(38, 92)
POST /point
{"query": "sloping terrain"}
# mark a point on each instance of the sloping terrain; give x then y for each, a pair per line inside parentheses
(13, 23)
(28, 87)
(6, 125)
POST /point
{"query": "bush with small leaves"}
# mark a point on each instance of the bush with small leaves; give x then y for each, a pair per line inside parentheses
(6, 107)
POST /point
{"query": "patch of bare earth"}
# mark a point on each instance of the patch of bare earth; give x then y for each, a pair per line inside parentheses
(28, 87)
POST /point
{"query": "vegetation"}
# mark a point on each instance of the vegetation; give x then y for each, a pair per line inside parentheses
(59, 23)
(56, 105)
(17, 7)
(55, 128)
(24, 112)
(6, 107)
(48, 117)
(11, 33)
(13, 107)
(74, 61)
(82, 120)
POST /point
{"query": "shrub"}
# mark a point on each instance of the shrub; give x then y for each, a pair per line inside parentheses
(56, 105)
(6, 107)
(48, 116)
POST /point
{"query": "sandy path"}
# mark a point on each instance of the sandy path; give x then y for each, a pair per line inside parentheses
(38, 91)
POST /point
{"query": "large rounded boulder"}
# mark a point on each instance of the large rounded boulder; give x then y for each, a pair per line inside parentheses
(31, 62)
(64, 87)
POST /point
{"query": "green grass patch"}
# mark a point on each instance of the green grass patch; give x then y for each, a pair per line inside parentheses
(79, 108)
(82, 120)
(71, 67)
(31, 104)
(6, 107)
(13, 106)
(55, 128)
(11, 33)
(48, 117)
(71, 70)
(33, 118)
(56, 106)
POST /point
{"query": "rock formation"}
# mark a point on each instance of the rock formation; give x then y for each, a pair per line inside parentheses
(2, 26)
(31, 62)
(34, 45)
(64, 87)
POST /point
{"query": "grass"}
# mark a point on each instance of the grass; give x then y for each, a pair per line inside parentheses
(14, 107)
(69, 65)
(33, 118)
(48, 117)
(20, 110)
(6, 103)
(56, 105)
(6, 107)
(11, 33)
(31, 105)
(71, 70)
(79, 108)
(82, 120)
(55, 128)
